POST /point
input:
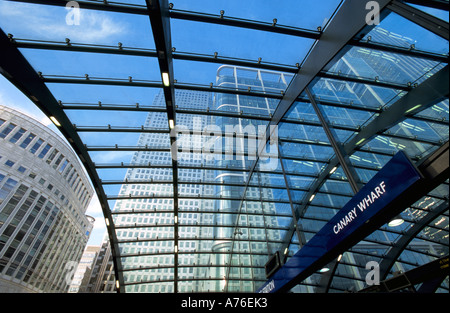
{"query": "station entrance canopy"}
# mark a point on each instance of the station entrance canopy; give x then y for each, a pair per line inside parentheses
(216, 134)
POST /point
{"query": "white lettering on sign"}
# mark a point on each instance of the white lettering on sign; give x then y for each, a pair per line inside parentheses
(268, 288)
(376, 193)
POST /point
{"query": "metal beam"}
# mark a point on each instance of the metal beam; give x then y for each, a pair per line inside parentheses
(244, 23)
(423, 274)
(185, 56)
(20, 73)
(153, 84)
(443, 58)
(426, 94)
(395, 251)
(346, 24)
(431, 91)
(436, 4)
(189, 16)
(419, 17)
(158, 11)
(343, 158)
(91, 5)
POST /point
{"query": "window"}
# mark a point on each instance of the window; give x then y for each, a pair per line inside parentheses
(6, 189)
(69, 168)
(44, 151)
(36, 146)
(7, 130)
(58, 161)
(17, 135)
(63, 166)
(21, 169)
(52, 156)
(9, 163)
(27, 140)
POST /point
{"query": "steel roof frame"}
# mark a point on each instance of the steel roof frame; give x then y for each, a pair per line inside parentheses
(329, 43)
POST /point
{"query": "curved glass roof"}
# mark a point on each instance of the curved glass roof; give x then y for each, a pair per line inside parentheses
(170, 107)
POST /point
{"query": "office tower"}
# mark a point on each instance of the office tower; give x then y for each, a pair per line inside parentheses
(147, 237)
(101, 278)
(44, 195)
(209, 194)
(80, 281)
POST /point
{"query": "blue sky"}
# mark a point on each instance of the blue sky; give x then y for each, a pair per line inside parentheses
(107, 28)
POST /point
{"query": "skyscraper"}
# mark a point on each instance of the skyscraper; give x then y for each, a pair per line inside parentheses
(147, 237)
(44, 195)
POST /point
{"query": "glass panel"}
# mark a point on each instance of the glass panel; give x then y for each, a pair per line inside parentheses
(422, 130)
(304, 150)
(438, 111)
(111, 95)
(302, 111)
(443, 15)
(306, 168)
(47, 22)
(391, 145)
(398, 31)
(317, 15)
(122, 119)
(304, 132)
(335, 186)
(371, 160)
(96, 65)
(354, 93)
(238, 42)
(387, 66)
(346, 116)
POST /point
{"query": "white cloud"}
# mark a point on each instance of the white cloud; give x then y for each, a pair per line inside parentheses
(94, 207)
(47, 22)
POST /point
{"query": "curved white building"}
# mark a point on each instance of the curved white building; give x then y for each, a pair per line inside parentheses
(44, 194)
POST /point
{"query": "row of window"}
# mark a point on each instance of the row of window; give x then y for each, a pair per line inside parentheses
(20, 247)
(54, 158)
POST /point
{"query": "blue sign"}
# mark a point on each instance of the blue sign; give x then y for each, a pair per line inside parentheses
(390, 182)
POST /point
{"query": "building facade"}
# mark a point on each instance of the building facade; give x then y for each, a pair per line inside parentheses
(207, 197)
(80, 281)
(101, 278)
(44, 195)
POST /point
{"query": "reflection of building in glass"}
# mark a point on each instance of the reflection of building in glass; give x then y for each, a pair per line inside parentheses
(242, 244)
(339, 100)
(44, 194)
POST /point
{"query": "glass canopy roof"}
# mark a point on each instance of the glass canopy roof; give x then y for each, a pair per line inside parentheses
(170, 107)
